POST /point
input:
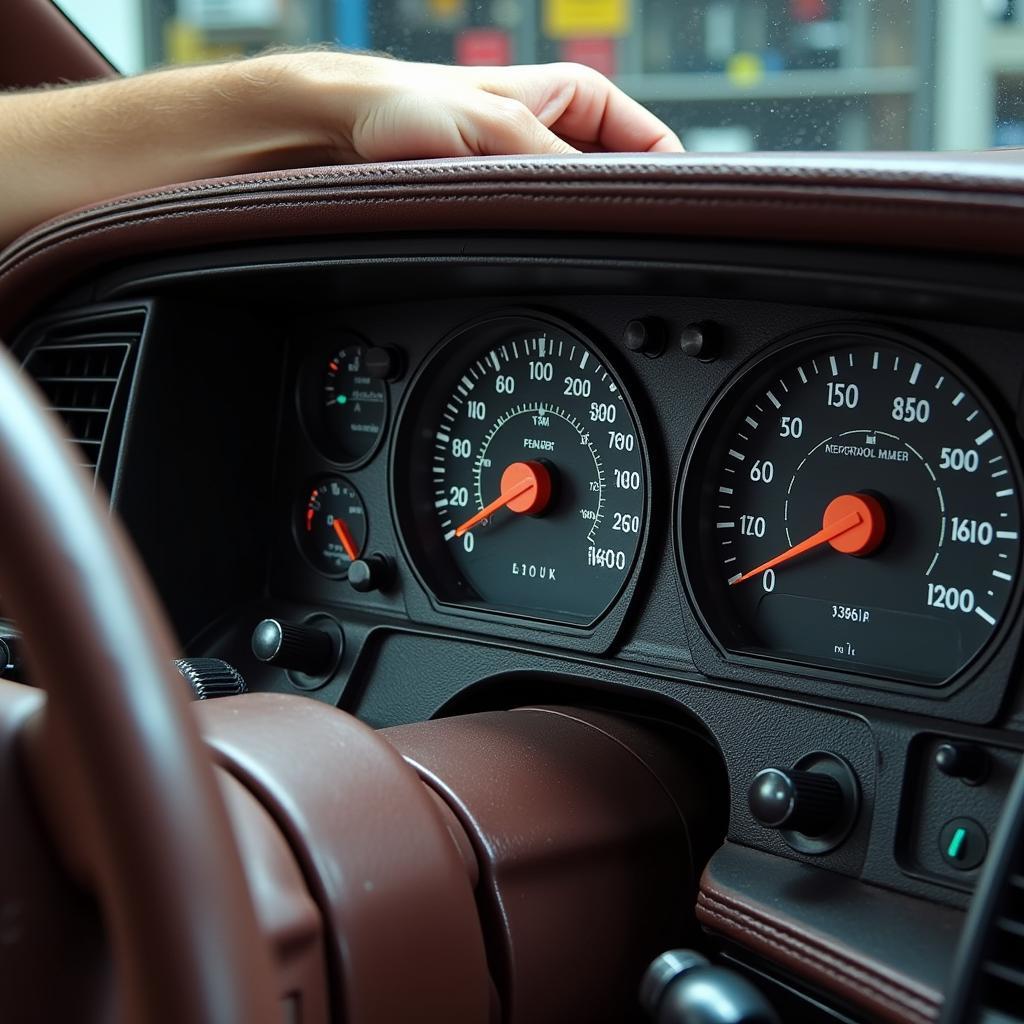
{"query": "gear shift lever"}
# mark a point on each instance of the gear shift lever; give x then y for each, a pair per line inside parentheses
(681, 987)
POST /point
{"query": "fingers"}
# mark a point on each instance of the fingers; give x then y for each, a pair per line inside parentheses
(578, 103)
(502, 126)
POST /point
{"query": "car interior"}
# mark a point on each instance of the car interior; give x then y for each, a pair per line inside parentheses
(514, 590)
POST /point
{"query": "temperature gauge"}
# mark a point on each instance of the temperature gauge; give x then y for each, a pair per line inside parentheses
(345, 400)
(330, 526)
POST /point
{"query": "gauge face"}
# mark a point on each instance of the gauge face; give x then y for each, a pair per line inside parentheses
(345, 406)
(330, 526)
(527, 475)
(853, 503)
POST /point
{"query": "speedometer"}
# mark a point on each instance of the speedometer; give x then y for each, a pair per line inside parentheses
(520, 461)
(853, 502)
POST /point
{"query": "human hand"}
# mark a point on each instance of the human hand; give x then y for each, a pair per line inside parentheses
(373, 108)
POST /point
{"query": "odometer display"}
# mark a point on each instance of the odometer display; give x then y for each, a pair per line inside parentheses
(526, 472)
(853, 503)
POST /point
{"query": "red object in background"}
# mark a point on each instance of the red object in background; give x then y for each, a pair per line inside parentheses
(598, 54)
(483, 47)
(808, 10)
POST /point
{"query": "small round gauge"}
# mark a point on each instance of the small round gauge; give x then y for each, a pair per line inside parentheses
(852, 502)
(330, 525)
(521, 473)
(345, 405)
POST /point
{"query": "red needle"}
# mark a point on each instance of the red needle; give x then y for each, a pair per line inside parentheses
(853, 524)
(525, 488)
(347, 540)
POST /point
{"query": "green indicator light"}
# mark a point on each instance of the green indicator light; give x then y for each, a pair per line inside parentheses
(341, 399)
(956, 843)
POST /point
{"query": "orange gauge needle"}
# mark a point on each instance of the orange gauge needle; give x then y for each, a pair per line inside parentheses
(347, 540)
(853, 524)
(525, 488)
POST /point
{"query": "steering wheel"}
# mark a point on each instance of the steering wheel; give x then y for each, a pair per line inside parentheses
(114, 757)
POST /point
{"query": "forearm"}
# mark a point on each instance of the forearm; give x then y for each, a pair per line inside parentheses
(64, 148)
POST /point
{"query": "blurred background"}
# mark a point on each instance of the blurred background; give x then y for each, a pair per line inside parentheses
(728, 75)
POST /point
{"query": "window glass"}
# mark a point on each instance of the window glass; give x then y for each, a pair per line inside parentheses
(728, 75)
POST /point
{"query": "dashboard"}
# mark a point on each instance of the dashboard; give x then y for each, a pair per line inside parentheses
(769, 496)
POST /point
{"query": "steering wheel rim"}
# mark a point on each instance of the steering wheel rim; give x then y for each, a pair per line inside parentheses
(120, 742)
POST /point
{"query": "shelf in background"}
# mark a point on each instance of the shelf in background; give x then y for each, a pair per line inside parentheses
(817, 84)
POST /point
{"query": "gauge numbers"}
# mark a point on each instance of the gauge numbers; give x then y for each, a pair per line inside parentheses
(537, 480)
(861, 511)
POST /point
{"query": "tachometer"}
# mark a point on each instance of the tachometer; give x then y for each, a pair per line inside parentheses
(852, 502)
(520, 474)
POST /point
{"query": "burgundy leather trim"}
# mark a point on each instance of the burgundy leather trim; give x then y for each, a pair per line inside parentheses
(926, 201)
(780, 910)
(40, 46)
(390, 878)
(587, 828)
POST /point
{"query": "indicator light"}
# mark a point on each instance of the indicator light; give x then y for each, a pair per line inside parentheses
(956, 844)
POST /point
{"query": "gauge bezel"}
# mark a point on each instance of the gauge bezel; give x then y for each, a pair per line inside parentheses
(692, 495)
(314, 482)
(422, 557)
(308, 383)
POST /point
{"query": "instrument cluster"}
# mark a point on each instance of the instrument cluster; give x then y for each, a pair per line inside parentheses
(847, 504)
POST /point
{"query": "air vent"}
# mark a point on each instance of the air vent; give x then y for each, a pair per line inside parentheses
(987, 985)
(81, 367)
(1002, 970)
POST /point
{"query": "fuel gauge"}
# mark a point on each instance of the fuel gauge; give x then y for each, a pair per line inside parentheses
(345, 400)
(330, 526)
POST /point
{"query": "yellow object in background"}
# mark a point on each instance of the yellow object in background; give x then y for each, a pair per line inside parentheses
(447, 10)
(744, 69)
(576, 19)
(186, 44)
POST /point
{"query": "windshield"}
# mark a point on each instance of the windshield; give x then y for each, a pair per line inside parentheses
(727, 75)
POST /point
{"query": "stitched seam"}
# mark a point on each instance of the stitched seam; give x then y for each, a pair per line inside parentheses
(739, 911)
(147, 217)
(820, 960)
(575, 171)
(921, 1012)
(682, 174)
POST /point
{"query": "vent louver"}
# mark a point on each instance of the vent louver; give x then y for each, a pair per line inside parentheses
(1002, 970)
(81, 366)
(987, 985)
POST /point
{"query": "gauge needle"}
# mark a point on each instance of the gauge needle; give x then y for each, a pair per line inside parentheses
(853, 524)
(525, 488)
(346, 538)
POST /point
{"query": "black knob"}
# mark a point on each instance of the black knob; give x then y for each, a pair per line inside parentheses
(701, 341)
(646, 336)
(966, 761)
(811, 803)
(211, 677)
(383, 363)
(295, 648)
(370, 573)
(681, 987)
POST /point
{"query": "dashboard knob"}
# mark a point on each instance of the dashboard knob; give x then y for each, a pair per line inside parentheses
(211, 677)
(700, 341)
(966, 761)
(293, 647)
(811, 803)
(646, 336)
(370, 573)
